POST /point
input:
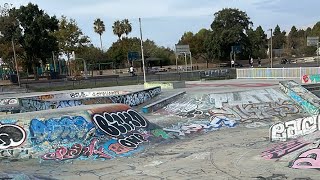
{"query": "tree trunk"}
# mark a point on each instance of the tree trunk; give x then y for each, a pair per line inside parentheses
(35, 72)
(101, 42)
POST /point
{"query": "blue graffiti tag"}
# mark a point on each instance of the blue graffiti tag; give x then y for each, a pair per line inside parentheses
(64, 129)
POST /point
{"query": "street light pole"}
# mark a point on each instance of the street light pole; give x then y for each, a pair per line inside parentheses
(318, 52)
(271, 48)
(142, 55)
(15, 61)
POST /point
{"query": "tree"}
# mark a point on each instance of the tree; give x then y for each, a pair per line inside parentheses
(196, 43)
(293, 38)
(99, 28)
(118, 52)
(36, 37)
(70, 36)
(279, 38)
(118, 29)
(126, 25)
(258, 41)
(228, 29)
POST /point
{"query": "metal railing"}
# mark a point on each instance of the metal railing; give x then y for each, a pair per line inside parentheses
(276, 73)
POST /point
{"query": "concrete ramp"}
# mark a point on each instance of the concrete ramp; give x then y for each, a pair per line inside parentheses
(64, 100)
(86, 132)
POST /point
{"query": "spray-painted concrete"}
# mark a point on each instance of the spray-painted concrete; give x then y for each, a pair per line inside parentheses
(63, 100)
(95, 132)
(304, 98)
(161, 103)
(166, 84)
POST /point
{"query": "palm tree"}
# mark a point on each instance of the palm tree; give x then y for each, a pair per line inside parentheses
(118, 28)
(127, 26)
(99, 28)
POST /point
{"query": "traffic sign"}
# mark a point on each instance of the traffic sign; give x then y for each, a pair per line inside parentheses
(182, 49)
(236, 49)
(312, 41)
(133, 56)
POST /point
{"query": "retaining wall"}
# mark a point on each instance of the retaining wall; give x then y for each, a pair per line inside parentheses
(86, 132)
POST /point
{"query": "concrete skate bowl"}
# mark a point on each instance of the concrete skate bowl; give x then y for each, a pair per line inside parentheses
(63, 100)
(206, 112)
(85, 133)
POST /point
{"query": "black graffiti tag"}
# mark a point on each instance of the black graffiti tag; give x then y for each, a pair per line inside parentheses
(132, 141)
(115, 124)
(11, 136)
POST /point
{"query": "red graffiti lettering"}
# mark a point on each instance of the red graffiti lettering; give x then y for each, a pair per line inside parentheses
(119, 149)
(76, 150)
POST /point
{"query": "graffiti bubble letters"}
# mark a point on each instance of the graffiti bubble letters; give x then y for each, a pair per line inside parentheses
(283, 149)
(64, 129)
(307, 160)
(76, 151)
(8, 101)
(11, 136)
(115, 124)
(293, 129)
(132, 141)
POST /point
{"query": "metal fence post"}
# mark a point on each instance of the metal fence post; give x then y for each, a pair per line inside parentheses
(300, 75)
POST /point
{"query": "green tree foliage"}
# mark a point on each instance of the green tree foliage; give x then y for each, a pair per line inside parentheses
(99, 28)
(316, 29)
(258, 42)
(293, 38)
(127, 28)
(228, 29)
(279, 38)
(36, 37)
(196, 43)
(118, 52)
(70, 36)
(118, 29)
(121, 27)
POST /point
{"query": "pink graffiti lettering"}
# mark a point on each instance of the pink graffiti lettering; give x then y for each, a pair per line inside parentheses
(283, 149)
(119, 149)
(307, 160)
(76, 150)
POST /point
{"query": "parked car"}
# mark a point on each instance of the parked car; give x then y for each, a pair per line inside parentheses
(163, 70)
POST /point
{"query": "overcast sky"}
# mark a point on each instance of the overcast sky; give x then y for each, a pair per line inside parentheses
(164, 21)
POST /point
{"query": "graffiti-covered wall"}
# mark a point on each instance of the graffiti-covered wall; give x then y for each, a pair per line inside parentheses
(101, 132)
(64, 100)
(284, 131)
(303, 97)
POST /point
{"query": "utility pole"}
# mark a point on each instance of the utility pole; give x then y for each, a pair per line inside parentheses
(271, 48)
(142, 55)
(15, 61)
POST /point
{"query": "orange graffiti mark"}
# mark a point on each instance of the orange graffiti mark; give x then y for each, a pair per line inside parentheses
(46, 97)
(109, 108)
(118, 148)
